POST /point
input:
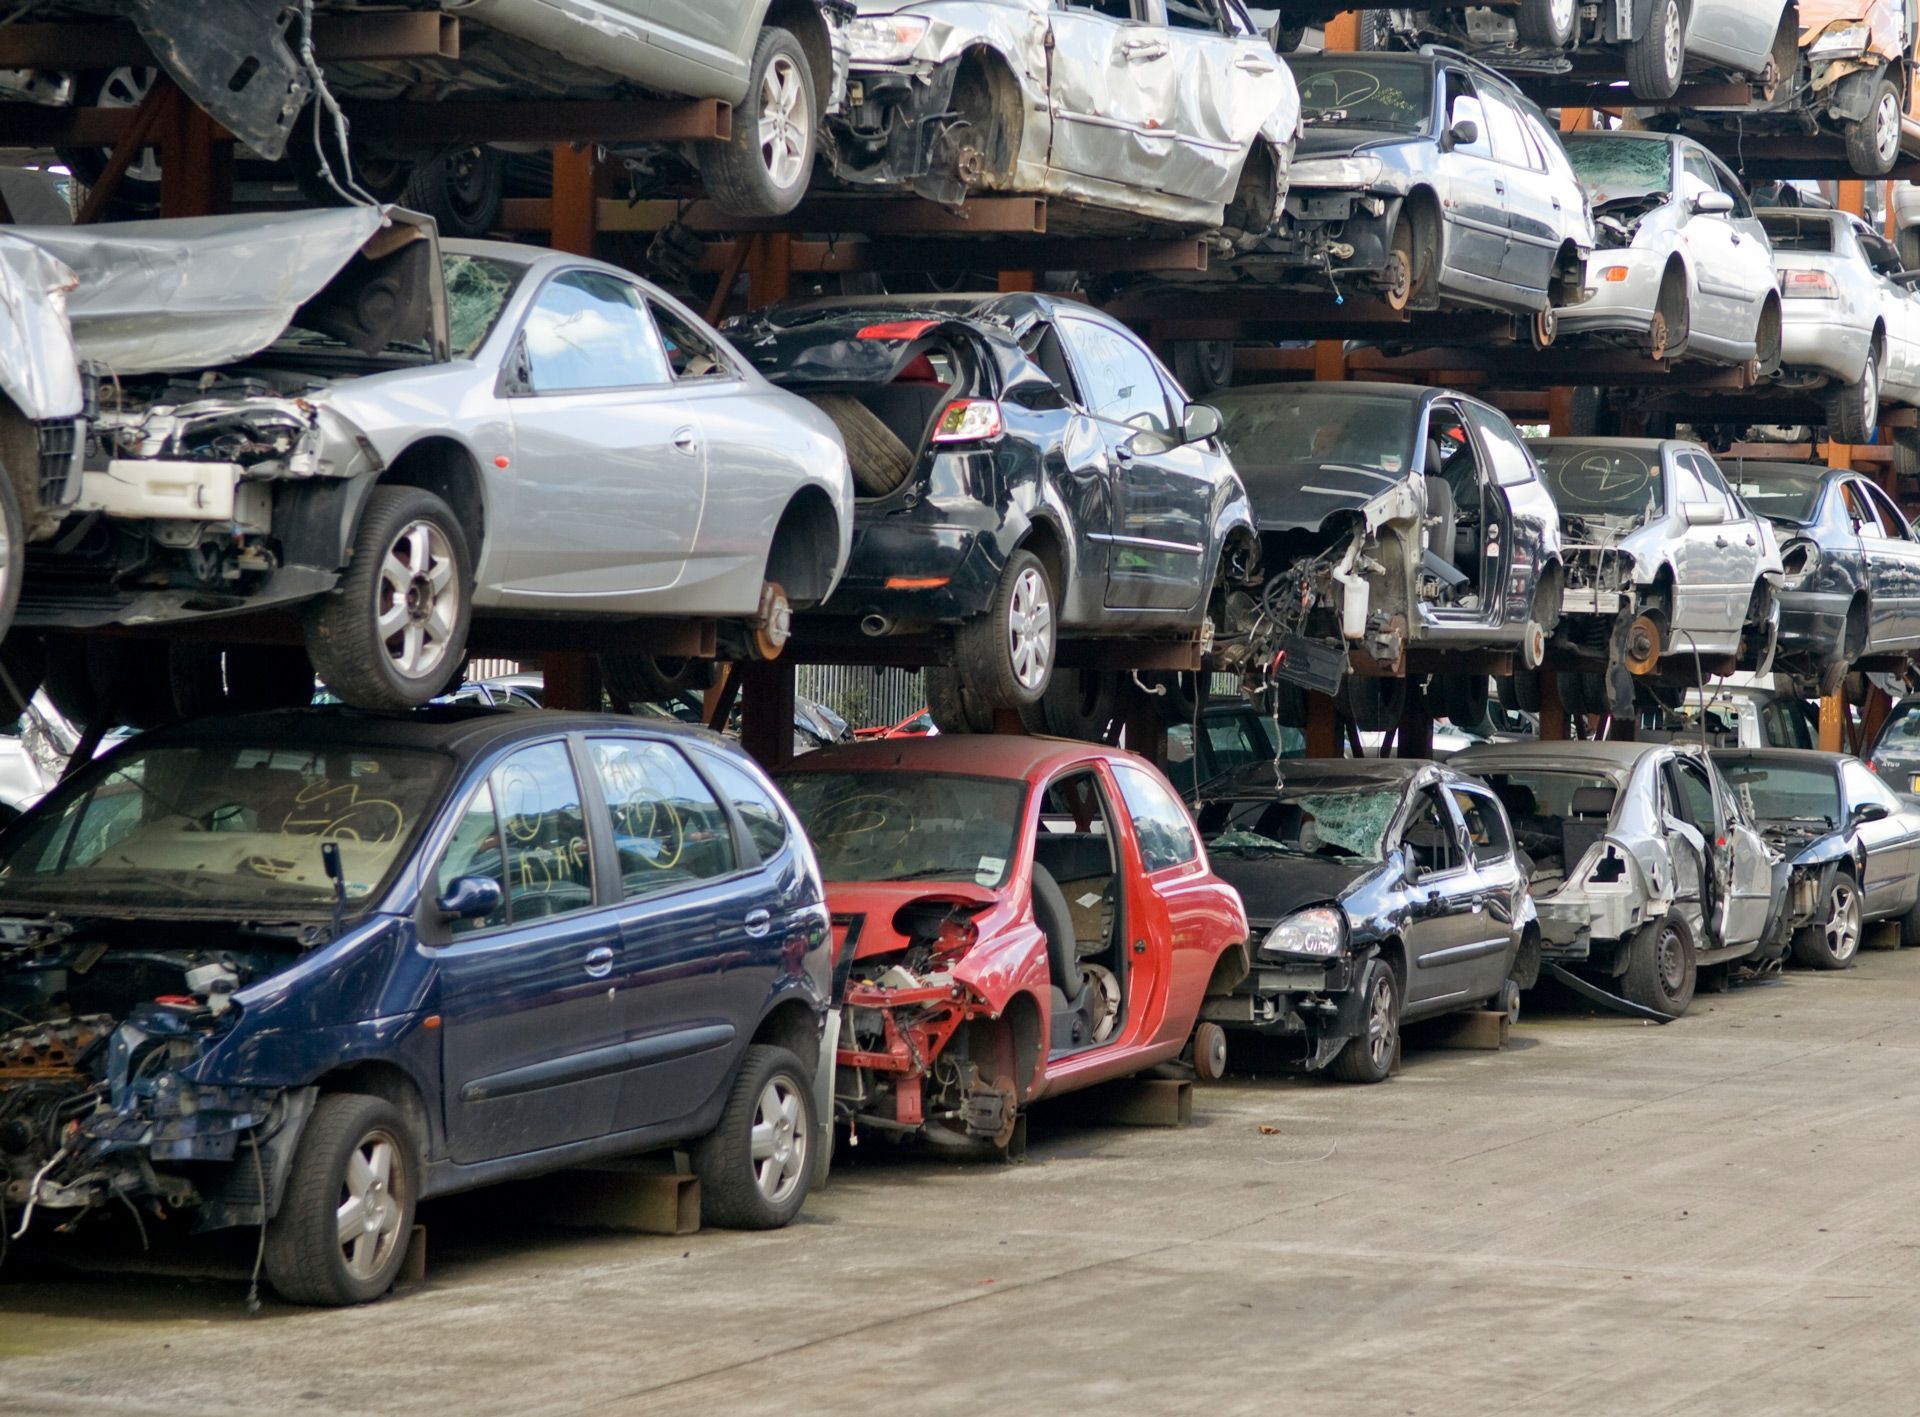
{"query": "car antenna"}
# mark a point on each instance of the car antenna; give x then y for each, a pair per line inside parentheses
(330, 862)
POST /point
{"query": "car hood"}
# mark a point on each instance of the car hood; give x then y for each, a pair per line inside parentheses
(1303, 495)
(875, 907)
(1273, 887)
(1344, 142)
(1803, 843)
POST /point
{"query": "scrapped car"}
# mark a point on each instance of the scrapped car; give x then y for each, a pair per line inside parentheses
(1429, 181)
(1391, 517)
(1232, 735)
(1850, 325)
(1739, 711)
(1895, 751)
(1852, 846)
(1642, 867)
(1181, 115)
(1682, 268)
(1850, 588)
(331, 413)
(1015, 918)
(1379, 891)
(1669, 577)
(303, 970)
(781, 64)
(1028, 472)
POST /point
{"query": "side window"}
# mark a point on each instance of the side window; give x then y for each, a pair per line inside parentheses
(549, 866)
(1728, 183)
(1503, 129)
(1687, 485)
(588, 331)
(1862, 509)
(1863, 787)
(1891, 521)
(1112, 9)
(1512, 463)
(691, 352)
(1486, 826)
(1117, 376)
(754, 804)
(475, 851)
(1193, 15)
(1714, 488)
(1463, 106)
(1692, 798)
(668, 830)
(1429, 835)
(1697, 177)
(1159, 821)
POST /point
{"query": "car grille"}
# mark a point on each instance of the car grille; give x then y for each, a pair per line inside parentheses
(60, 440)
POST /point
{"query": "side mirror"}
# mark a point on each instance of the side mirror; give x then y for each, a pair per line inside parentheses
(1712, 204)
(1148, 443)
(1463, 134)
(1703, 513)
(1870, 812)
(470, 898)
(1200, 423)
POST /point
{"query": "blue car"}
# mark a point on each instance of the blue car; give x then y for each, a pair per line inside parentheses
(306, 969)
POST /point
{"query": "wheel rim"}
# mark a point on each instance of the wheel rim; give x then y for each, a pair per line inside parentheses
(1843, 921)
(1030, 630)
(467, 186)
(1562, 16)
(1643, 645)
(1673, 42)
(1870, 397)
(373, 1205)
(1672, 962)
(784, 122)
(127, 87)
(779, 1142)
(418, 600)
(1886, 129)
(1380, 1024)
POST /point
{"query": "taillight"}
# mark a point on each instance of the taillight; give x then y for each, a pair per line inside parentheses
(897, 329)
(1808, 285)
(967, 421)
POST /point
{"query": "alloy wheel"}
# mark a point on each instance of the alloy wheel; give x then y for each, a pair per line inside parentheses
(1380, 1028)
(127, 87)
(1673, 41)
(779, 1140)
(1886, 129)
(1030, 630)
(418, 604)
(1842, 928)
(785, 123)
(372, 1206)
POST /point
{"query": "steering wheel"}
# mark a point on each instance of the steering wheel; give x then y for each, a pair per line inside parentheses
(869, 829)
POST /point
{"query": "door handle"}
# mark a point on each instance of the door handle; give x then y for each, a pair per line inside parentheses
(599, 961)
(1252, 66)
(1751, 541)
(758, 922)
(1143, 49)
(1139, 947)
(685, 440)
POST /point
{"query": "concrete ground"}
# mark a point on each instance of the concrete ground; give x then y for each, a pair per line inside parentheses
(1716, 1216)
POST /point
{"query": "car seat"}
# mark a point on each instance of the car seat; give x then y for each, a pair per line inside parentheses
(1072, 991)
(1586, 822)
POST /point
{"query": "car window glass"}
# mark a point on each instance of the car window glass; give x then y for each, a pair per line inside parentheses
(1429, 835)
(1117, 377)
(1486, 827)
(754, 805)
(1503, 130)
(1193, 15)
(475, 851)
(1863, 787)
(588, 331)
(1891, 521)
(1512, 463)
(1730, 184)
(1697, 177)
(1112, 9)
(691, 352)
(1692, 797)
(1537, 143)
(668, 830)
(1713, 489)
(1463, 106)
(549, 865)
(1861, 509)
(1686, 482)
(1159, 821)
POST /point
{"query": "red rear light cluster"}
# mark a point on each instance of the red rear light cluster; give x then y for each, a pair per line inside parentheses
(897, 329)
(967, 421)
(1808, 285)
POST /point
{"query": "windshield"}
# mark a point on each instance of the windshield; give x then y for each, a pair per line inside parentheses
(1321, 430)
(478, 288)
(1359, 93)
(1622, 169)
(1785, 792)
(1345, 823)
(1549, 796)
(1599, 481)
(909, 826)
(1780, 494)
(226, 828)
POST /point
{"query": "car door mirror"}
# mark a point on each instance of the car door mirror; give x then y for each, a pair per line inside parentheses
(1703, 513)
(1199, 423)
(1870, 812)
(1711, 204)
(470, 898)
(1149, 443)
(1463, 134)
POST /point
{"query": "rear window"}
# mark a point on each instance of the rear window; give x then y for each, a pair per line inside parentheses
(1780, 494)
(1533, 792)
(1602, 481)
(1271, 429)
(1799, 233)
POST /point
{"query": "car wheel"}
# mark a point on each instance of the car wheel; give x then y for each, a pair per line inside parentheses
(125, 87)
(207, 678)
(1209, 1051)
(1461, 699)
(1369, 1055)
(1656, 60)
(1546, 24)
(1833, 941)
(1661, 973)
(951, 706)
(1873, 142)
(463, 192)
(395, 629)
(1373, 705)
(635, 679)
(1078, 703)
(1910, 926)
(763, 169)
(344, 1223)
(1853, 410)
(1203, 365)
(753, 1166)
(1520, 692)
(1507, 1001)
(1396, 278)
(1006, 655)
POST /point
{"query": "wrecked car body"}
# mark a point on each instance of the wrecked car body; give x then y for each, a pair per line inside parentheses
(230, 949)
(1120, 114)
(1644, 869)
(1669, 576)
(1392, 518)
(1379, 891)
(1015, 918)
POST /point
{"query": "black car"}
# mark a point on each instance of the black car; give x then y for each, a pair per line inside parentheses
(1851, 595)
(1379, 890)
(302, 970)
(1895, 753)
(1025, 470)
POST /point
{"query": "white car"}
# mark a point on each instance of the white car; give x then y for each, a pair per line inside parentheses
(1683, 268)
(1849, 325)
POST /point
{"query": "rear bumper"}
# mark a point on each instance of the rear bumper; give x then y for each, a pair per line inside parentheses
(1812, 623)
(918, 571)
(1810, 340)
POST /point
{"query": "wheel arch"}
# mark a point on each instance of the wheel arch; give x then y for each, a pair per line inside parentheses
(791, 1022)
(986, 93)
(376, 1077)
(802, 20)
(1422, 207)
(1045, 538)
(448, 469)
(1230, 966)
(1022, 1016)
(806, 548)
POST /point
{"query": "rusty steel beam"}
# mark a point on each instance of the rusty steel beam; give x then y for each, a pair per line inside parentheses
(543, 121)
(1560, 92)
(109, 45)
(873, 216)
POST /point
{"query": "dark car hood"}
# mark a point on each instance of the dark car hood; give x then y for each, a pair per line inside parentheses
(1803, 843)
(1344, 142)
(1294, 495)
(1276, 886)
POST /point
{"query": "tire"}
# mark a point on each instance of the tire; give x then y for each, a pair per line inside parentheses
(306, 1261)
(1657, 60)
(1005, 656)
(463, 192)
(1373, 705)
(759, 173)
(1461, 699)
(1368, 1056)
(1202, 365)
(1078, 703)
(1833, 942)
(1520, 692)
(13, 549)
(951, 707)
(738, 1190)
(1209, 1052)
(1853, 410)
(1910, 927)
(1185, 694)
(352, 649)
(138, 192)
(634, 679)
(1661, 972)
(1546, 24)
(1873, 142)
(1507, 1001)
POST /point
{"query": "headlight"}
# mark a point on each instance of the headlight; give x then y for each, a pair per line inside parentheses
(1847, 42)
(1321, 933)
(1336, 172)
(884, 39)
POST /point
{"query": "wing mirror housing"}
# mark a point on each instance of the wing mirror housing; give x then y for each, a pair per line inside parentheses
(1198, 424)
(470, 898)
(1463, 134)
(1712, 204)
(1870, 812)
(1703, 513)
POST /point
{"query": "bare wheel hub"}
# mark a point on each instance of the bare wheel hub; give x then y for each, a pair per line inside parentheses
(1398, 276)
(773, 625)
(1657, 336)
(1643, 645)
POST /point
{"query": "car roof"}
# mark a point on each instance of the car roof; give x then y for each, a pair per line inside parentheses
(1345, 389)
(1000, 755)
(465, 730)
(1806, 757)
(1602, 754)
(1811, 472)
(1636, 445)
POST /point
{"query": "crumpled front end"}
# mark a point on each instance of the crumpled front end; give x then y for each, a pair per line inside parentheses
(1597, 905)
(1846, 44)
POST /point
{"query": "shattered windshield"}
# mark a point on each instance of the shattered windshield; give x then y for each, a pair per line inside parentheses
(1622, 169)
(1270, 429)
(1346, 822)
(1785, 792)
(1359, 93)
(1601, 481)
(909, 826)
(478, 289)
(222, 827)
(1787, 495)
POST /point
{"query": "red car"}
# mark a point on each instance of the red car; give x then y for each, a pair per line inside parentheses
(1014, 918)
(918, 724)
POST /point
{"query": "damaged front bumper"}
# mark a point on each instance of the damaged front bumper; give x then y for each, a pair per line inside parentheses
(1310, 1009)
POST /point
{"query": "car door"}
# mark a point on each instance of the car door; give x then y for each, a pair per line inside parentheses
(1499, 891)
(1739, 33)
(1226, 88)
(1445, 931)
(1533, 223)
(1746, 542)
(1113, 86)
(1746, 861)
(608, 481)
(1473, 187)
(1721, 294)
(1704, 564)
(1891, 844)
(1162, 499)
(532, 1034)
(1893, 569)
(1523, 514)
(1753, 266)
